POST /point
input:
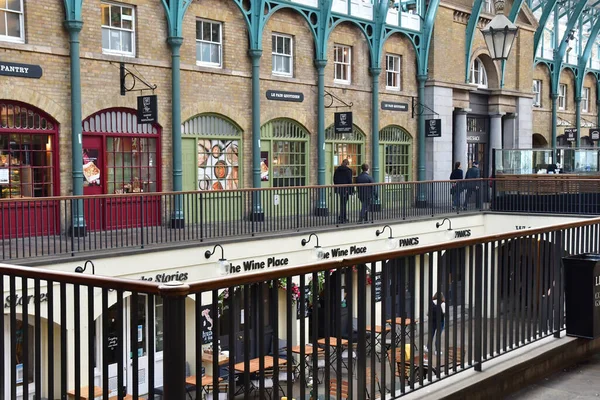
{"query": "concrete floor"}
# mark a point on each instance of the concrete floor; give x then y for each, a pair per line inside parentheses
(577, 382)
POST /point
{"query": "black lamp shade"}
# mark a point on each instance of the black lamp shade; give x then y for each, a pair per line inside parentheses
(499, 36)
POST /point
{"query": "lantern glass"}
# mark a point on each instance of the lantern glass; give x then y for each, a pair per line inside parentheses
(499, 36)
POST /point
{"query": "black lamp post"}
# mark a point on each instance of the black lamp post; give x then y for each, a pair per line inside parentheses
(499, 34)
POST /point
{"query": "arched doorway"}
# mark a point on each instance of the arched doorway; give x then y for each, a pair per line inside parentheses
(395, 154)
(121, 156)
(538, 141)
(29, 167)
(340, 146)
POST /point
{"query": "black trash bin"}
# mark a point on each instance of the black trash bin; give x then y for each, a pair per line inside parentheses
(582, 292)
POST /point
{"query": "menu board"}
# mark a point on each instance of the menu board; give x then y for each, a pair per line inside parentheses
(207, 324)
(4, 177)
(307, 291)
(377, 283)
(218, 164)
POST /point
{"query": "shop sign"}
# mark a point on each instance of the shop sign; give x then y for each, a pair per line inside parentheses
(343, 122)
(378, 285)
(279, 95)
(20, 70)
(207, 323)
(147, 110)
(165, 277)
(339, 252)
(405, 242)
(570, 133)
(594, 135)
(433, 128)
(478, 137)
(254, 265)
(391, 106)
(464, 233)
(4, 176)
(18, 300)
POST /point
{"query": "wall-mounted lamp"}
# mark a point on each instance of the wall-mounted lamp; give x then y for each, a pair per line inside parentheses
(318, 250)
(222, 264)
(81, 269)
(391, 242)
(449, 233)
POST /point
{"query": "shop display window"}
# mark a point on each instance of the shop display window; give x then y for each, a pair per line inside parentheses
(289, 163)
(351, 152)
(131, 164)
(218, 164)
(397, 162)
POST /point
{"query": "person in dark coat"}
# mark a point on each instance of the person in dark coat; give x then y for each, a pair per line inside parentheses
(437, 311)
(473, 187)
(457, 174)
(343, 176)
(365, 193)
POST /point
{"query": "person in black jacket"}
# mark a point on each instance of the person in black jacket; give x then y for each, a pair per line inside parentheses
(365, 193)
(473, 187)
(343, 176)
(457, 174)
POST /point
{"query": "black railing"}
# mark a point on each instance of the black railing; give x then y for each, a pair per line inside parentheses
(33, 228)
(361, 327)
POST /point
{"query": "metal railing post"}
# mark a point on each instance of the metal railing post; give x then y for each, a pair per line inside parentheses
(479, 265)
(174, 294)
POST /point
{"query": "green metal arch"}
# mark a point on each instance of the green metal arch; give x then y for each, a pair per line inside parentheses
(425, 41)
(175, 10)
(304, 12)
(359, 135)
(233, 129)
(587, 52)
(539, 33)
(395, 134)
(73, 10)
(469, 35)
(299, 131)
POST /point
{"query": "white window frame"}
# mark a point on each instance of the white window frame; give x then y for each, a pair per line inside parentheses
(562, 96)
(394, 72)
(14, 39)
(219, 43)
(585, 100)
(478, 74)
(110, 28)
(345, 63)
(537, 92)
(488, 7)
(275, 54)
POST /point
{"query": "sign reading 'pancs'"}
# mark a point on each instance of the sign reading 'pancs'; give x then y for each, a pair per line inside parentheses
(343, 122)
(433, 128)
(147, 111)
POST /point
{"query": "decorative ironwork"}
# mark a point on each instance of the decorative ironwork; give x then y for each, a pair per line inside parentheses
(333, 97)
(420, 108)
(128, 85)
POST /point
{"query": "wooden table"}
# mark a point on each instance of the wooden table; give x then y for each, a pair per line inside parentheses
(207, 362)
(254, 364)
(333, 342)
(84, 392)
(309, 351)
(378, 331)
(207, 380)
(403, 321)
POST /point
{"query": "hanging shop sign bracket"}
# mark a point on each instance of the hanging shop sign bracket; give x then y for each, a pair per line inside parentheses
(419, 108)
(129, 80)
(332, 97)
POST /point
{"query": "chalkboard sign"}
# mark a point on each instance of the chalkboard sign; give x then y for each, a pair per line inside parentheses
(377, 284)
(207, 324)
(307, 291)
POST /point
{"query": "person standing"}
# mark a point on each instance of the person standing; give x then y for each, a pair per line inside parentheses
(457, 174)
(365, 193)
(473, 186)
(343, 176)
(437, 311)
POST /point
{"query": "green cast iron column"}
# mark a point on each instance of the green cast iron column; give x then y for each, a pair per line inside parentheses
(78, 221)
(421, 198)
(322, 202)
(578, 121)
(177, 219)
(554, 122)
(257, 212)
(375, 124)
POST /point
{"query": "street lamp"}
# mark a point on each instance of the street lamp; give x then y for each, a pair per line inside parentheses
(499, 34)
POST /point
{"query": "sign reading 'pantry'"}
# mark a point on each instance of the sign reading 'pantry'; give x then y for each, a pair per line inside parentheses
(20, 70)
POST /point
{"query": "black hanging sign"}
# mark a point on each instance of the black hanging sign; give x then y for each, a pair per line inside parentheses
(433, 128)
(207, 324)
(280, 95)
(147, 111)
(343, 122)
(570, 134)
(595, 134)
(377, 285)
(391, 106)
(20, 70)
(307, 291)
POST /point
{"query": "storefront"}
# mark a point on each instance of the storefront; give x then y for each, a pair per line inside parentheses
(343, 146)
(28, 168)
(395, 154)
(477, 143)
(120, 157)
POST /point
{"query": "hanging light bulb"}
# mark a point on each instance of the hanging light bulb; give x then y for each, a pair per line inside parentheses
(222, 264)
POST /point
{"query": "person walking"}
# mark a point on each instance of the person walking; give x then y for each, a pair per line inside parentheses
(437, 311)
(457, 174)
(365, 193)
(343, 176)
(473, 186)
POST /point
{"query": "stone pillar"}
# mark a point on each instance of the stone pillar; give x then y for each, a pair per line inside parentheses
(460, 138)
(510, 132)
(495, 137)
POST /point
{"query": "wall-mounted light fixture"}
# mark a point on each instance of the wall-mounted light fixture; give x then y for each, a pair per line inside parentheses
(79, 269)
(318, 250)
(222, 264)
(391, 242)
(449, 232)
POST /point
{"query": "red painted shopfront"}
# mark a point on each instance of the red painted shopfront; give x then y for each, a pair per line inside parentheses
(28, 171)
(121, 157)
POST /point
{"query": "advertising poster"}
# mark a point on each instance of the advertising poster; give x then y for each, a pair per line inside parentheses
(264, 166)
(91, 172)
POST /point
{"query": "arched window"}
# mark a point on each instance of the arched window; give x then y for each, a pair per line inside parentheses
(478, 74)
(348, 146)
(211, 146)
(284, 153)
(397, 154)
